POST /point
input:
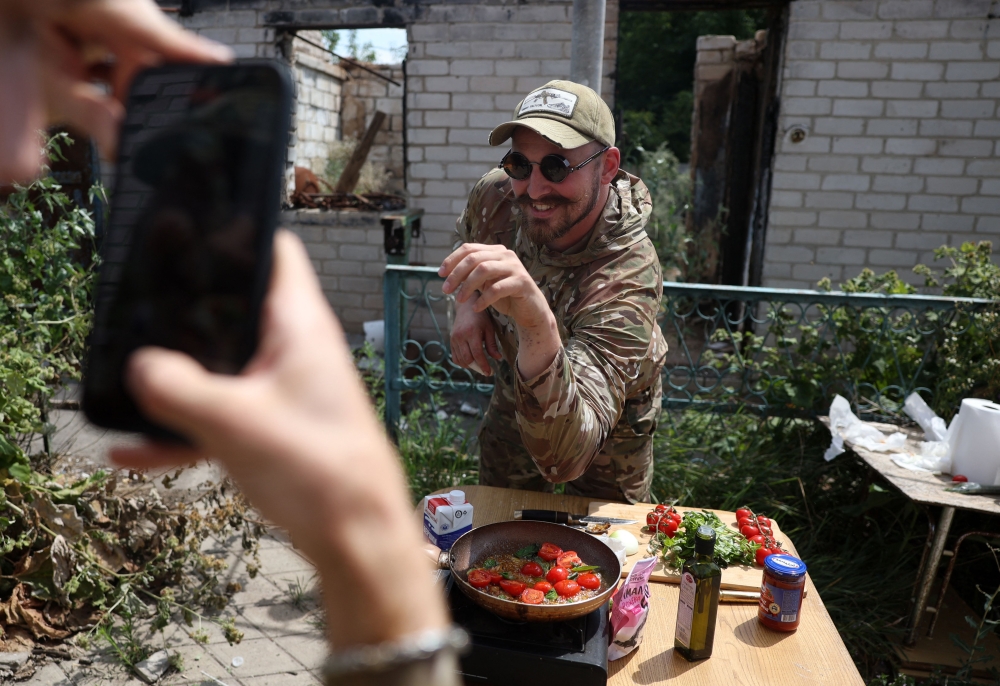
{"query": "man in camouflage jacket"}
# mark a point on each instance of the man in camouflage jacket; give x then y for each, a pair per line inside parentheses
(558, 281)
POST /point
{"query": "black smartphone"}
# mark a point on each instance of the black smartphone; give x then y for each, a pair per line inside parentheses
(186, 258)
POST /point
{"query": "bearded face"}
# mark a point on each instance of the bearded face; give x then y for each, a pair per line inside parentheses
(551, 216)
(552, 210)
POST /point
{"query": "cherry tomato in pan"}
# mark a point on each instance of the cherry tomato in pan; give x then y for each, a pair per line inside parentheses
(758, 539)
(668, 527)
(495, 577)
(532, 596)
(749, 531)
(588, 580)
(960, 478)
(514, 588)
(543, 586)
(567, 588)
(569, 559)
(549, 552)
(743, 512)
(479, 578)
(532, 569)
(557, 574)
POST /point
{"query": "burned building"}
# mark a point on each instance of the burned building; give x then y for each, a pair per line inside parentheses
(854, 133)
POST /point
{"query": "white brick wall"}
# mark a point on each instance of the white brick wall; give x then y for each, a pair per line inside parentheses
(468, 67)
(899, 101)
(318, 87)
(346, 251)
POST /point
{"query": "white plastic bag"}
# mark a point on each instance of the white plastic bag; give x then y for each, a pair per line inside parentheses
(845, 426)
(934, 427)
(935, 456)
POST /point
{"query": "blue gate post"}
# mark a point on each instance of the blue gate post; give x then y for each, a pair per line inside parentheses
(392, 284)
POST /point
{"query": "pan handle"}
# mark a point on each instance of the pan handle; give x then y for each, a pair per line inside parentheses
(543, 516)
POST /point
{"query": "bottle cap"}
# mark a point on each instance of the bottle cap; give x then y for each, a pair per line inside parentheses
(785, 565)
(456, 497)
(704, 540)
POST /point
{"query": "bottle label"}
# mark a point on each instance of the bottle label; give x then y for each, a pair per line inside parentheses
(685, 609)
(780, 605)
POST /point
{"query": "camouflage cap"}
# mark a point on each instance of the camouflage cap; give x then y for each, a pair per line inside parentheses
(563, 112)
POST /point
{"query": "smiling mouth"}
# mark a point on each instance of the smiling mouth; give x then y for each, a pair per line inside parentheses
(541, 207)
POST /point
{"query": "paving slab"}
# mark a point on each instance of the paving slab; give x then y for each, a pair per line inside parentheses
(283, 560)
(261, 657)
(311, 650)
(282, 620)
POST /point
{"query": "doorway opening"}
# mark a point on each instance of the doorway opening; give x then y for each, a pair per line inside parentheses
(696, 108)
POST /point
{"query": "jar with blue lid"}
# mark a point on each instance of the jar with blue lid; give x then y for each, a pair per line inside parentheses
(781, 592)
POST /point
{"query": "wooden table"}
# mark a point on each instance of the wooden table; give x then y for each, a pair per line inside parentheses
(927, 489)
(745, 653)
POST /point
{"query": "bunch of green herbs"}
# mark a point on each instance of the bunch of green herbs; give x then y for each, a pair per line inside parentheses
(731, 548)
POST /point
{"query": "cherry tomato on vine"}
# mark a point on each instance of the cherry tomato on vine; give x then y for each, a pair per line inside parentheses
(758, 539)
(549, 551)
(567, 588)
(532, 596)
(762, 554)
(514, 588)
(557, 574)
(543, 586)
(744, 521)
(676, 516)
(588, 580)
(749, 531)
(532, 569)
(667, 527)
(743, 512)
(762, 520)
(652, 519)
(479, 578)
(660, 508)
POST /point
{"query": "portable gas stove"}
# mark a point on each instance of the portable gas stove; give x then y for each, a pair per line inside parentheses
(504, 650)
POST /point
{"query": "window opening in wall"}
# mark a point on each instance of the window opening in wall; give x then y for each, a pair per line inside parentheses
(377, 46)
(349, 145)
(698, 129)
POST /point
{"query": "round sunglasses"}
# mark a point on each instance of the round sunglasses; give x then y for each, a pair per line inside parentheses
(554, 167)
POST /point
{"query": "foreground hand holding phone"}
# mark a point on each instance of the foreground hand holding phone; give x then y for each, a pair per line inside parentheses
(297, 431)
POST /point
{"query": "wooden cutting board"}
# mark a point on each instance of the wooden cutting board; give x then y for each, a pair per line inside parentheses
(733, 578)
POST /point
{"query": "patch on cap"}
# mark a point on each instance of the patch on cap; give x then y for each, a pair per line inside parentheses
(549, 100)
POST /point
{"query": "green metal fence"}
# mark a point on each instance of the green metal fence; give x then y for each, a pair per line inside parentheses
(770, 351)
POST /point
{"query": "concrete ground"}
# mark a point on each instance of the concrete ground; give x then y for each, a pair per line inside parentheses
(278, 611)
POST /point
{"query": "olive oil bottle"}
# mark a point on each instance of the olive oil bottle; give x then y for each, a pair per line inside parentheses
(701, 580)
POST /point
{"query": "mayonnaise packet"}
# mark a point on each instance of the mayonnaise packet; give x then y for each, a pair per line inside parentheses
(630, 609)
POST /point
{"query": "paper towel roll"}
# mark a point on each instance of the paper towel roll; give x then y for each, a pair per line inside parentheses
(975, 441)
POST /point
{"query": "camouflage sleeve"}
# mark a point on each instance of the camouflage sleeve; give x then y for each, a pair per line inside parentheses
(480, 216)
(566, 413)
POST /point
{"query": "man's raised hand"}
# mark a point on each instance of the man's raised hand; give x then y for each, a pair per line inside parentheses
(493, 276)
(501, 281)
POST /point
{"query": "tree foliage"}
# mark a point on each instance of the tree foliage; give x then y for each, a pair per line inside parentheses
(656, 56)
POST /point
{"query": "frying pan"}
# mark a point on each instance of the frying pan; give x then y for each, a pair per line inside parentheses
(506, 537)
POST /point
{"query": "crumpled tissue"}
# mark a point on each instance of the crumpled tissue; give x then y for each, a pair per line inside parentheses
(935, 452)
(845, 425)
